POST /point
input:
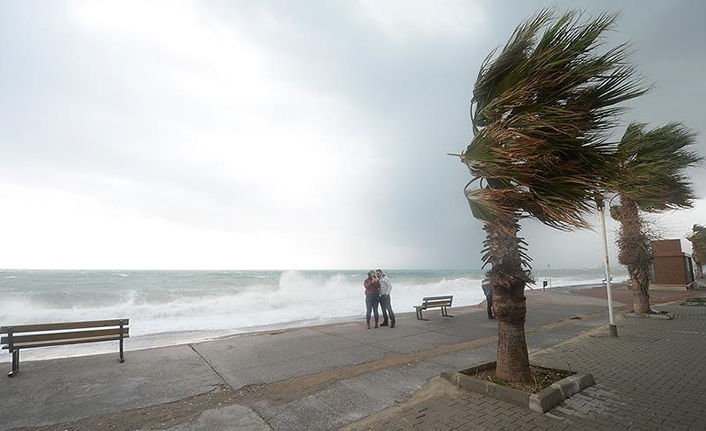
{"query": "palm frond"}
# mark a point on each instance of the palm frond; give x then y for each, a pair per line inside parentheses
(698, 244)
(652, 166)
(541, 107)
(482, 207)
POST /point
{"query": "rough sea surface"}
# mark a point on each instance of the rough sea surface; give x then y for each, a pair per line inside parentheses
(190, 305)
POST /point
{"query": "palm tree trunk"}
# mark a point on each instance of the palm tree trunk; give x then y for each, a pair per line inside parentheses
(636, 254)
(508, 280)
(640, 293)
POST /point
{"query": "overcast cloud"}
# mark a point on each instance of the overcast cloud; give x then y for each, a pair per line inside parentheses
(279, 134)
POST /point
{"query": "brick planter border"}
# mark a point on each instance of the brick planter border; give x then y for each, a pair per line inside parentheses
(541, 402)
(658, 316)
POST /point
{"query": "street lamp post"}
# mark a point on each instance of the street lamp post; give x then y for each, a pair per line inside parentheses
(550, 275)
(606, 265)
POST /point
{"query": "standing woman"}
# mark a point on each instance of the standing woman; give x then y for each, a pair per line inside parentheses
(372, 297)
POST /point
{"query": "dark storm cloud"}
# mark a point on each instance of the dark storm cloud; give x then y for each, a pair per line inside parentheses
(422, 89)
(73, 105)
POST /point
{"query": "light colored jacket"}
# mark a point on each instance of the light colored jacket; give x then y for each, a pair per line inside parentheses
(385, 285)
(487, 287)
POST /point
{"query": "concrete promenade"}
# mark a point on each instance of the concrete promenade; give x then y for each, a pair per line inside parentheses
(339, 375)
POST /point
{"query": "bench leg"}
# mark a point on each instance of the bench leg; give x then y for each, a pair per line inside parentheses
(445, 312)
(15, 363)
(122, 328)
(419, 314)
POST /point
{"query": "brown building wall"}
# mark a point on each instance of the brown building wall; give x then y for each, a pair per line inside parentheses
(666, 247)
(669, 263)
(669, 270)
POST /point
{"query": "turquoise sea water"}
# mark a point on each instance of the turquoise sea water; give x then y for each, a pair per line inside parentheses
(229, 301)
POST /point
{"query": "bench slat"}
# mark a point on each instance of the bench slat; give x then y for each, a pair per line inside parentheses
(435, 301)
(436, 304)
(62, 342)
(17, 339)
(66, 325)
(426, 307)
(436, 298)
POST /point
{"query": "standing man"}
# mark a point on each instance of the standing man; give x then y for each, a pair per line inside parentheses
(385, 288)
(372, 297)
(488, 291)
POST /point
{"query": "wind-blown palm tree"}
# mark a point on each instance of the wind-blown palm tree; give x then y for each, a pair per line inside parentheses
(540, 108)
(651, 179)
(698, 246)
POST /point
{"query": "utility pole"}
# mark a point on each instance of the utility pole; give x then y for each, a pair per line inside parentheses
(600, 205)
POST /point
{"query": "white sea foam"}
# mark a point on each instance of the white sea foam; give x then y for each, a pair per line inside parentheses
(296, 297)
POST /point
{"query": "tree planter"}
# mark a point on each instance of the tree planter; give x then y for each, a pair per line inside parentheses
(542, 401)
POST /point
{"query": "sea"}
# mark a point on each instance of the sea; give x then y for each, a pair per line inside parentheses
(176, 307)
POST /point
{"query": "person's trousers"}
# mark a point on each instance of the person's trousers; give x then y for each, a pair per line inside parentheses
(371, 304)
(489, 302)
(386, 309)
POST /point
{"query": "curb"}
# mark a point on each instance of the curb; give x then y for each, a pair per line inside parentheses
(552, 396)
(662, 316)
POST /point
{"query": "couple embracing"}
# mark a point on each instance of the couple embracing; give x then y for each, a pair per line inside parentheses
(377, 291)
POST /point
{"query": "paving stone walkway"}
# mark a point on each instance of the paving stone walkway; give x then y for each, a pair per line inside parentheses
(653, 377)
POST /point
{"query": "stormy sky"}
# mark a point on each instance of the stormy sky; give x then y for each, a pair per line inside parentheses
(280, 134)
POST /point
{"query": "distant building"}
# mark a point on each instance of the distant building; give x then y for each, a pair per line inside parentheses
(671, 267)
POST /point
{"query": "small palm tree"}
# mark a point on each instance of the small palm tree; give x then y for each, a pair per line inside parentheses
(539, 112)
(651, 166)
(698, 245)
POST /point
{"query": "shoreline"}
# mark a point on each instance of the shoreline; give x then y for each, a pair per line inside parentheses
(179, 338)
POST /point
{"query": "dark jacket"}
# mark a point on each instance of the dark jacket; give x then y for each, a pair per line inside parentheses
(371, 286)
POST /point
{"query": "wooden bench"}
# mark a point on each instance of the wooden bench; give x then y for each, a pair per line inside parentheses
(442, 302)
(57, 334)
